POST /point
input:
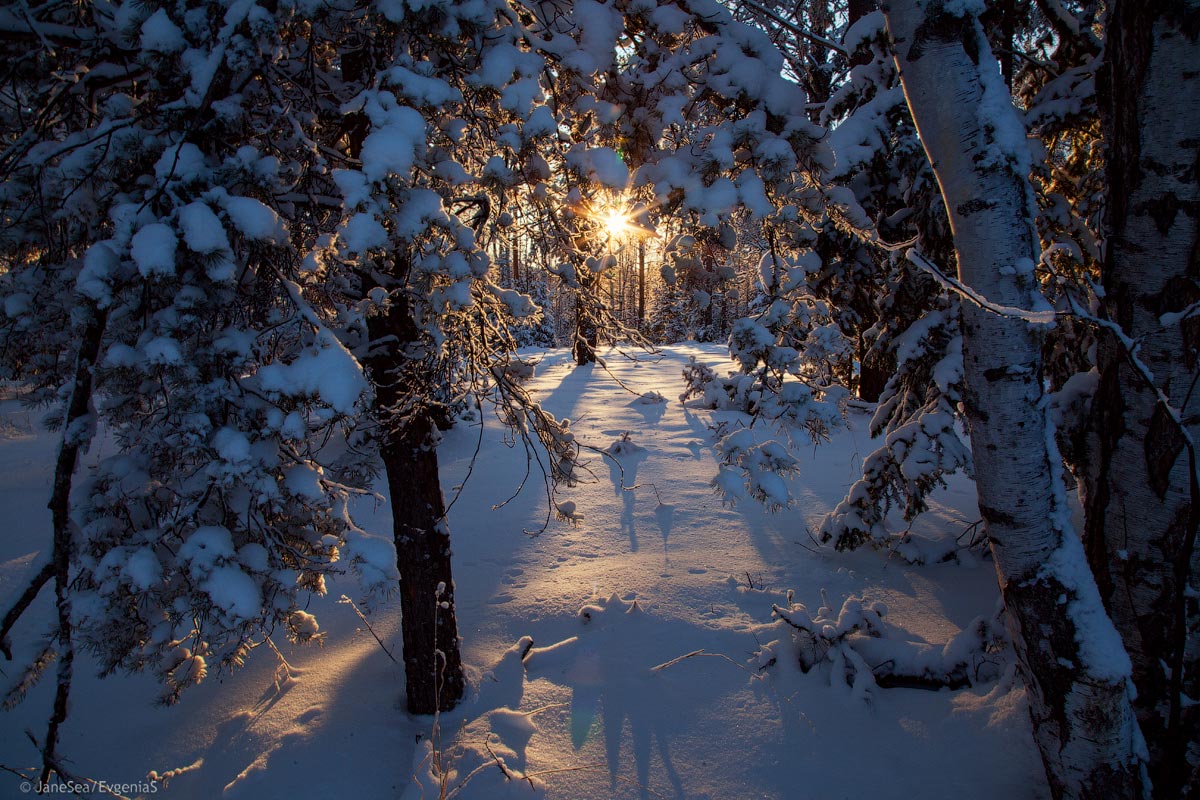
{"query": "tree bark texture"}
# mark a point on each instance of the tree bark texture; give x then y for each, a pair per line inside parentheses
(1142, 510)
(587, 335)
(1070, 657)
(433, 672)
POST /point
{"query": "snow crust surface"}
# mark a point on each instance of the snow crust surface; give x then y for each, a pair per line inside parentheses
(629, 653)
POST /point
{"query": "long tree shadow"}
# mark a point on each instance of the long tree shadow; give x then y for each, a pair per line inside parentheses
(624, 458)
(567, 385)
(664, 515)
(619, 697)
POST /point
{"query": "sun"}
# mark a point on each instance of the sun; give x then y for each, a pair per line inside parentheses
(615, 222)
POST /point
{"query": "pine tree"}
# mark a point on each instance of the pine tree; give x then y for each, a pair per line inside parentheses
(150, 195)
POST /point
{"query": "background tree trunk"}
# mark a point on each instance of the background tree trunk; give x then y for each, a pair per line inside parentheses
(641, 308)
(1074, 668)
(76, 433)
(1142, 514)
(874, 371)
(586, 337)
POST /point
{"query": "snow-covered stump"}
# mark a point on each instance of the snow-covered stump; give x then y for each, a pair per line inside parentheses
(1072, 659)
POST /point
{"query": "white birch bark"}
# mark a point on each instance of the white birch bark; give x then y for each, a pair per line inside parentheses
(1142, 515)
(1073, 663)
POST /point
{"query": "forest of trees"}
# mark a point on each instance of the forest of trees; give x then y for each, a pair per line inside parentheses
(274, 248)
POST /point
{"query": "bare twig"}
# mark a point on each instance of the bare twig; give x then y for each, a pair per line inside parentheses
(363, 617)
(792, 27)
(704, 654)
(40, 579)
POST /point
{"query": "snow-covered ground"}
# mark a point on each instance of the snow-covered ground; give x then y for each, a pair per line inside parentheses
(603, 706)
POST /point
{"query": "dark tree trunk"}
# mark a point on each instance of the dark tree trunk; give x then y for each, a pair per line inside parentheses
(1008, 28)
(874, 371)
(76, 434)
(586, 333)
(432, 662)
(857, 9)
(1142, 507)
(433, 670)
(819, 78)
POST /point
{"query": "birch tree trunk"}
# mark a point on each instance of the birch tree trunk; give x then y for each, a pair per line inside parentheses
(1142, 511)
(1075, 669)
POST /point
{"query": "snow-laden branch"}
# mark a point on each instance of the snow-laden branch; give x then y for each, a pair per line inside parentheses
(1176, 317)
(11, 24)
(953, 284)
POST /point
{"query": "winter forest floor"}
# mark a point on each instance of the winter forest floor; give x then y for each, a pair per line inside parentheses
(589, 718)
